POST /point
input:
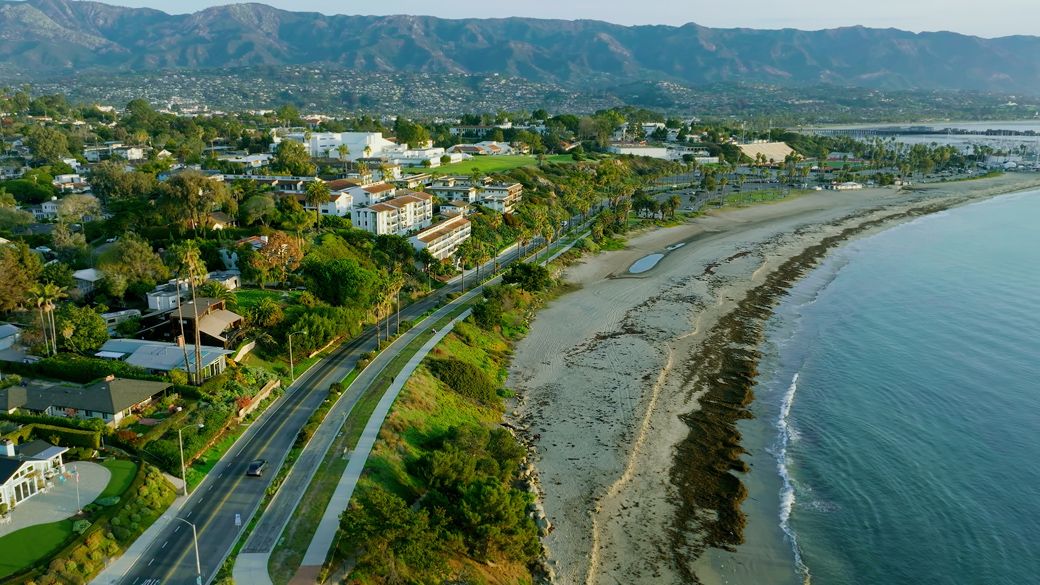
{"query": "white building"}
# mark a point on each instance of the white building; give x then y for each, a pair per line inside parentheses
(27, 470)
(46, 210)
(400, 216)
(502, 197)
(429, 157)
(251, 161)
(443, 239)
(326, 144)
(339, 205)
(371, 194)
(164, 297)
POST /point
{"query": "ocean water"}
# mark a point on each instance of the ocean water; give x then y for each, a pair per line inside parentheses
(899, 410)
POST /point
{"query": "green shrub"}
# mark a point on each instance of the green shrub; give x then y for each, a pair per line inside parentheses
(466, 379)
(76, 368)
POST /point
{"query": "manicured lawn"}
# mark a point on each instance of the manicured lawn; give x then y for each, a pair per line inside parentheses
(497, 164)
(123, 473)
(249, 297)
(21, 549)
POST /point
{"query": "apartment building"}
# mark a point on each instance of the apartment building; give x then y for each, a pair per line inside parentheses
(399, 216)
(502, 197)
(443, 239)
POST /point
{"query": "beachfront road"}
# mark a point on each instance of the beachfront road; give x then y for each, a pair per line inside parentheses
(223, 503)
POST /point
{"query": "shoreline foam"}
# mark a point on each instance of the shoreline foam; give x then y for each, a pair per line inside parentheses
(598, 376)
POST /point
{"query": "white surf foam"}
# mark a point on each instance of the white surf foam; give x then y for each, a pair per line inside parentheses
(787, 491)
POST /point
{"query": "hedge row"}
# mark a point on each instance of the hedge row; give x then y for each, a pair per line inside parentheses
(65, 436)
(76, 368)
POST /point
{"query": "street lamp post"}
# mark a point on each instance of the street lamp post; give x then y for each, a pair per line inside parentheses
(195, 539)
(180, 445)
(292, 368)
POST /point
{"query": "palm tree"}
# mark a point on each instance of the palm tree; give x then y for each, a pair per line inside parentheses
(344, 151)
(318, 194)
(673, 204)
(212, 289)
(191, 267)
(38, 296)
(45, 297)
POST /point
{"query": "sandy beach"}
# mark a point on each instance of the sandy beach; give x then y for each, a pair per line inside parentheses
(629, 388)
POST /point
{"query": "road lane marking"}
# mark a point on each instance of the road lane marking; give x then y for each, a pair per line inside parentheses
(164, 544)
(150, 562)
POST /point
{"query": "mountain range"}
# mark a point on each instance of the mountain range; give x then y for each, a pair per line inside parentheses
(56, 37)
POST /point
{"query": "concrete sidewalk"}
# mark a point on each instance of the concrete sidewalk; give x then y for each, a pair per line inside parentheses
(325, 534)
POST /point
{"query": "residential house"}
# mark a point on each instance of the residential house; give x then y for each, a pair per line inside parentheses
(47, 210)
(443, 239)
(230, 279)
(339, 204)
(250, 161)
(25, 470)
(159, 357)
(110, 400)
(9, 335)
(219, 220)
(213, 322)
(87, 279)
(502, 197)
(401, 215)
(116, 317)
(164, 297)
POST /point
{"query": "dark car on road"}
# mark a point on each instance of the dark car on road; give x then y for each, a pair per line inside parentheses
(256, 468)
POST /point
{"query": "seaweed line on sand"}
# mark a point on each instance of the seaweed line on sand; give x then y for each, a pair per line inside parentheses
(722, 374)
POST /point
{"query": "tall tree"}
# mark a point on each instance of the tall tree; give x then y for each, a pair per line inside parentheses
(20, 268)
(189, 198)
(317, 195)
(291, 158)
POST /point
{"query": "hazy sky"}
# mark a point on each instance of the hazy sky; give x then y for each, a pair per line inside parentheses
(988, 19)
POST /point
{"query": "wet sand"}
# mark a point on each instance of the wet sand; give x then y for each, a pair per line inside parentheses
(631, 388)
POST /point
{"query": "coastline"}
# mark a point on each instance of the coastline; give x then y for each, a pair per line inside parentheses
(627, 383)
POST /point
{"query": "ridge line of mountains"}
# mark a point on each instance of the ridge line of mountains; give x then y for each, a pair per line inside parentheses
(54, 37)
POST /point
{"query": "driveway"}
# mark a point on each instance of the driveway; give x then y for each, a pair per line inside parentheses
(59, 501)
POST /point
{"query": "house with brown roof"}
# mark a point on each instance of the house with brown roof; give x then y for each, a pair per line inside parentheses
(213, 321)
(502, 197)
(443, 239)
(399, 216)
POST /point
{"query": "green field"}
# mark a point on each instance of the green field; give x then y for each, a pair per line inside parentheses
(496, 164)
(249, 297)
(22, 548)
(123, 473)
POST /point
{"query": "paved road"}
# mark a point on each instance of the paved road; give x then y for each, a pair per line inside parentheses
(226, 500)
